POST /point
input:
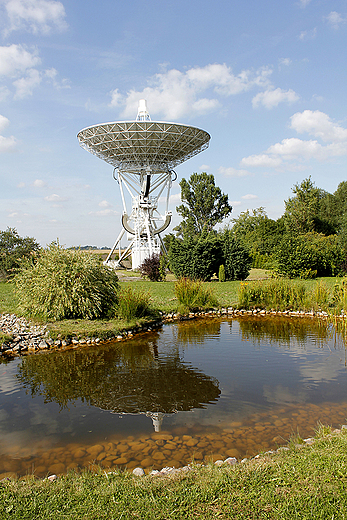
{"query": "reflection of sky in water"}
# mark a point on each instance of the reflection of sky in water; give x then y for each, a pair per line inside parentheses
(243, 360)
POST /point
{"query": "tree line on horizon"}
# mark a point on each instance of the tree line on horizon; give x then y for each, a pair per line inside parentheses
(308, 240)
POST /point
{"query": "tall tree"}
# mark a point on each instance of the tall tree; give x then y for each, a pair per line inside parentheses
(256, 231)
(203, 204)
(304, 213)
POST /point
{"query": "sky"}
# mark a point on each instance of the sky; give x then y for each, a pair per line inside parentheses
(267, 80)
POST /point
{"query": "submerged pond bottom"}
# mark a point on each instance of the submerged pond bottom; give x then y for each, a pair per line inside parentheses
(181, 445)
(213, 389)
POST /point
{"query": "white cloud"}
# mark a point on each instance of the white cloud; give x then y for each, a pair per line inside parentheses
(116, 98)
(319, 125)
(294, 148)
(54, 198)
(175, 198)
(173, 93)
(204, 167)
(15, 59)
(272, 97)
(335, 20)
(38, 183)
(234, 203)
(7, 144)
(304, 3)
(51, 75)
(285, 62)
(249, 196)
(25, 86)
(36, 16)
(263, 160)
(21, 185)
(4, 122)
(20, 65)
(104, 204)
(232, 172)
(308, 35)
(104, 212)
(202, 106)
(315, 123)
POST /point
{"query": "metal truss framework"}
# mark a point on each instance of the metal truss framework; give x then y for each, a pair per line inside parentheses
(145, 222)
(144, 154)
(132, 145)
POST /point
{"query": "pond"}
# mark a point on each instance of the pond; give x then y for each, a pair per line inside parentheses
(200, 389)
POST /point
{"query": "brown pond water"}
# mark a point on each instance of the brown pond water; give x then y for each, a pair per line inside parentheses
(202, 389)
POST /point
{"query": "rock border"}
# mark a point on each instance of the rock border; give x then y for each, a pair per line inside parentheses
(28, 338)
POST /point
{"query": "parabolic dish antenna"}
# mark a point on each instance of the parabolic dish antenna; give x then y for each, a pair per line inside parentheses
(143, 154)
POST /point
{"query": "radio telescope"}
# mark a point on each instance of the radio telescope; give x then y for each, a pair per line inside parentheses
(144, 154)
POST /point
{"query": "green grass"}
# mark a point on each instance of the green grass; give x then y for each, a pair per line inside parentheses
(302, 483)
(8, 301)
(162, 297)
(163, 293)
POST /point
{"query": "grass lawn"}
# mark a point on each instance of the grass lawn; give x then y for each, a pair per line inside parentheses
(302, 483)
(162, 297)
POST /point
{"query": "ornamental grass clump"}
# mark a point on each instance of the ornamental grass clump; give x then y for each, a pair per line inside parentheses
(133, 304)
(62, 284)
(340, 296)
(193, 295)
(279, 295)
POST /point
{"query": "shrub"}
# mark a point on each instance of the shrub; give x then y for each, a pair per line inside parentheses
(237, 261)
(197, 258)
(193, 295)
(310, 255)
(221, 273)
(262, 261)
(132, 304)
(13, 248)
(150, 267)
(62, 283)
(163, 266)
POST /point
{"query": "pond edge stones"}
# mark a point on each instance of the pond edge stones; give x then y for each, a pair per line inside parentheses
(28, 338)
(230, 461)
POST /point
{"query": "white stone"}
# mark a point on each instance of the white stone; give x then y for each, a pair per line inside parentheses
(231, 461)
(138, 472)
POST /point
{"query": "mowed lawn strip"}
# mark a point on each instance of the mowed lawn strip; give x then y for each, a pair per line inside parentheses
(304, 482)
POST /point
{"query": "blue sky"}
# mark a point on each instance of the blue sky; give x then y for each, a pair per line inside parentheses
(266, 79)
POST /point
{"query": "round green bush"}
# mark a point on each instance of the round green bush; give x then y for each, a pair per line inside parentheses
(62, 283)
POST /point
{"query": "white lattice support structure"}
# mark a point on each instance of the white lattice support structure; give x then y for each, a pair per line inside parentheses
(144, 154)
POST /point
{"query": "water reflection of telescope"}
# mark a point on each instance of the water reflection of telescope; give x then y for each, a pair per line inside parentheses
(157, 418)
